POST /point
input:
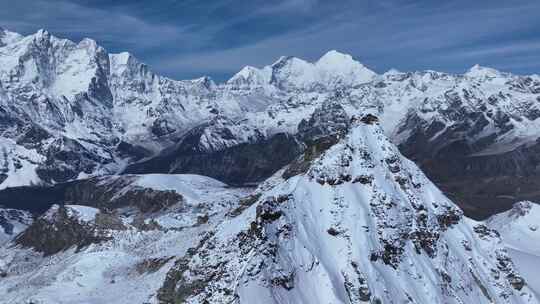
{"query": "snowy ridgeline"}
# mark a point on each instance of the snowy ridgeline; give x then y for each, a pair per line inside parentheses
(71, 110)
(354, 222)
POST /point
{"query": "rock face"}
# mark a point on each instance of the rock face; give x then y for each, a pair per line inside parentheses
(234, 160)
(12, 222)
(60, 228)
(107, 193)
(321, 237)
(71, 110)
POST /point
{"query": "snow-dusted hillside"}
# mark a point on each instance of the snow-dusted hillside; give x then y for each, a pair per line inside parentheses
(112, 254)
(520, 232)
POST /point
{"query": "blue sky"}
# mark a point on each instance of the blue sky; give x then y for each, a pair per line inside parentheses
(191, 38)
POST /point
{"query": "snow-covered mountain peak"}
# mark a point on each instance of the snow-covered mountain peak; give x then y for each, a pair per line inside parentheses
(363, 224)
(42, 34)
(340, 67)
(334, 57)
(120, 58)
(250, 77)
(341, 62)
(205, 82)
(89, 43)
(125, 65)
(332, 70)
(478, 71)
(7, 37)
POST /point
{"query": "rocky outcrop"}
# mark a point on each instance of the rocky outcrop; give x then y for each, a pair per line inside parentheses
(106, 193)
(244, 163)
(58, 230)
(118, 192)
(481, 182)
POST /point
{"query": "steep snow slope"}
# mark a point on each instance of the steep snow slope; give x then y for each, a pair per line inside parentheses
(362, 224)
(519, 229)
(114, 254)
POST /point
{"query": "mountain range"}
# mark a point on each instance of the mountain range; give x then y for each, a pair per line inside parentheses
(289, 183)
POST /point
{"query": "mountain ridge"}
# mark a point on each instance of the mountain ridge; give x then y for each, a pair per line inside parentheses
(71, 110)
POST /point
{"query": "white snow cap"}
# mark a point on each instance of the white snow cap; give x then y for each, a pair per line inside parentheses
(478, 71)
(332, 70)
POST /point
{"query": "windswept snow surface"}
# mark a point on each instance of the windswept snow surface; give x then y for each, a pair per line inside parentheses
(192, 187)
(520, 232)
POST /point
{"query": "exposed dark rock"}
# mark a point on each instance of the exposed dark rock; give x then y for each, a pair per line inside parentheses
(241, 164)
(369, 119)
(284, 280)
(109, 221)
(425, 240)
(151, 265)
(136, 153)
(58, 233)
(363, 179)
(161, 127)
(516, 281)
(449, 218)
(328, 119)
(315, 148)
(245, 203)
(481, 184)
(33, 137)
(485, 232)
(268, 214)
(66, 159)
(101, 193)
(176, 287)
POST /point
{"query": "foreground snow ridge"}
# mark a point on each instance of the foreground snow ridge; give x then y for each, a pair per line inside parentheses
(361, 225)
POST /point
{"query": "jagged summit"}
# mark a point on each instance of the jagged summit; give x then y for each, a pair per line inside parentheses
(362, 224)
